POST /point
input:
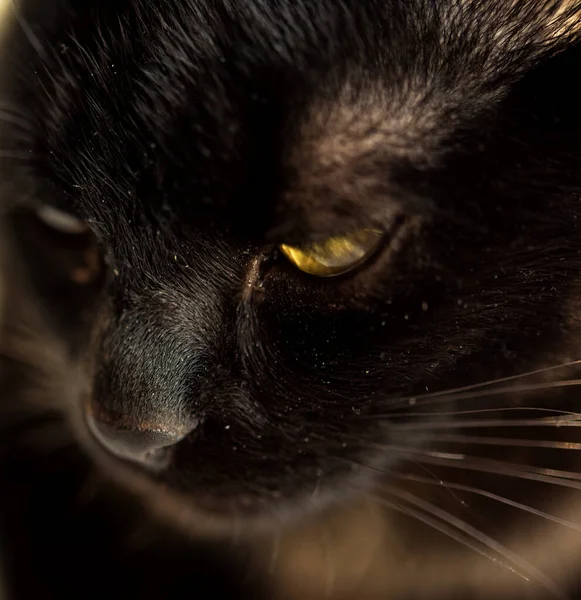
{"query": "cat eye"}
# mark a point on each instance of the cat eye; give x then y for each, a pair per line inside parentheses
(335, 255)
(61, 221)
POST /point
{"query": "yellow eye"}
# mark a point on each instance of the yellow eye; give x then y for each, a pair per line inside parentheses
(335, 255)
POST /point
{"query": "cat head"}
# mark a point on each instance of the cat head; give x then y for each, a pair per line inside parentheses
(312, 213)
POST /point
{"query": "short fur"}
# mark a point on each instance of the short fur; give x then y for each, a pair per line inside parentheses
(194, 137)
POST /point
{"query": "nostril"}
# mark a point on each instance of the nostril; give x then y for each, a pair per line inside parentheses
(148, 446)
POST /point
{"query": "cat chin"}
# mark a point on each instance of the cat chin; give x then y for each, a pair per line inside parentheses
(232, 514)
(214, 517)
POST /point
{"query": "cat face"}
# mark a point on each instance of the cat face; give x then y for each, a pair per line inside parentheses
(315, 214)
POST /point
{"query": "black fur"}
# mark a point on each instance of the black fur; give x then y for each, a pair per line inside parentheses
(193, 137)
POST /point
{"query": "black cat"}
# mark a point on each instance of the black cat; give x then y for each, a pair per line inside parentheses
(301, 279)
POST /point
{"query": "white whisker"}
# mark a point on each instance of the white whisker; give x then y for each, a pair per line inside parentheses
(471, 463)
(564, 421)
(446, 530)
(497, 441)
(491, 496)
(427, 400)
(492, 544)
(453, 413)
(453, 391)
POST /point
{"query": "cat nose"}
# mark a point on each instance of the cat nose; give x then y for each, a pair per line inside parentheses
(149, 447)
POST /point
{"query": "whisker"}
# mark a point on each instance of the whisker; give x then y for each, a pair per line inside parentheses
(554, 473)
(565, 421)
(446, 530)
(487, 383)
(481, 465)
(429, 400)
(436, 479)
(453, 413)
(491, 496)
(498, 441)
(481, 537)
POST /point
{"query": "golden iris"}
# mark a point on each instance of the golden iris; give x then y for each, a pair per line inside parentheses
(335, 255)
